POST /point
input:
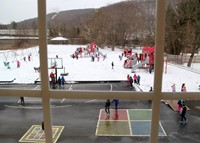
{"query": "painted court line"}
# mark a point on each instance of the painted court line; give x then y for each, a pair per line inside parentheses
(70, 88)
(111, 87)
(90, 101)
(98, 122)
(62, 100)
(161, 129)
(131, 133)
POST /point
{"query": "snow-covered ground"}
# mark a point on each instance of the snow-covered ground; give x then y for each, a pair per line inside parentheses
(85, 70)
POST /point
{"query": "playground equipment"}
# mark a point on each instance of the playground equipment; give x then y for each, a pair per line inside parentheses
(127, 52)
(146, 59)
(11, 56)
(91, 49)
(56, 63)
(130, 61)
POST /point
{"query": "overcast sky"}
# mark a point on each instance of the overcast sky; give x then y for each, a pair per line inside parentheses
(19, 10)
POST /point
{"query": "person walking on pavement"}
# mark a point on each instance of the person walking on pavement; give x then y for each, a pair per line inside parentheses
(107, 107)
(22, 100)
(116, 101)
(183, 112)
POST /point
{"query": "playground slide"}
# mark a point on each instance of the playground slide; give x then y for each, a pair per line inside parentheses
(134, 62)
(140, 64)
(129, 64)
(100, 53)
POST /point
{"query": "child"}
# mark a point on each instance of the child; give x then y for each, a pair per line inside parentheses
(183, 112)
(112, 64)
(107, 107)
(116, 103)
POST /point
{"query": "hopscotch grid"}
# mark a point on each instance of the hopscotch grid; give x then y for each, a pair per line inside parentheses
(56, 136)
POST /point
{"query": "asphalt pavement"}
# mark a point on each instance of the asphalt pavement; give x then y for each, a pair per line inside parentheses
(80, 118)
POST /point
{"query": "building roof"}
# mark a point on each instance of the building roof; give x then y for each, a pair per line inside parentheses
(59, 39)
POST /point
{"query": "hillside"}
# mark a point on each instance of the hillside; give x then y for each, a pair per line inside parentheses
(77, 17)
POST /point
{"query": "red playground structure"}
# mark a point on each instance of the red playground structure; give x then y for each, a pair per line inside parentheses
(127, 52)
(83, 52)
(149, 51)
(138, 60)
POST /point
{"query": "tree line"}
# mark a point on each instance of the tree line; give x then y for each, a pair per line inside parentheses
(132, 23)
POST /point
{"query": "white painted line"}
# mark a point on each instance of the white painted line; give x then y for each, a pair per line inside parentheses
(62, 100)
(36, 87)
(70, 88)
(162, 129)
(98, 122)
(90, 101)
(29, 107)
(12, 106)
(129, 122)
(61, 106)
(111, 88)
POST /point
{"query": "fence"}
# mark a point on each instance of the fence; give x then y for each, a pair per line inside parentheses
(180, 59)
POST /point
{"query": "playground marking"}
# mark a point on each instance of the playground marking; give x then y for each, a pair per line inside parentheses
(37, 87)
(61, 106)
(36, 134)
(29, 107)
(70, 88)
(90, 101)
(62, 100)
(111, 88)
(137, 123)
(129, 123)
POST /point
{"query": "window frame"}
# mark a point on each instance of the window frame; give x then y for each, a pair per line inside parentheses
(156, 96)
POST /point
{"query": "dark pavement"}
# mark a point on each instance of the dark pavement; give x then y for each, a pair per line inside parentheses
(80, 118)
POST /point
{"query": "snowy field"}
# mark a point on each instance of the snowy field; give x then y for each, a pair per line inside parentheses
(82, 69)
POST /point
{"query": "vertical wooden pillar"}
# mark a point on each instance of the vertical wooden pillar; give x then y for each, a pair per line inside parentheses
(44, 70)
(160, 38)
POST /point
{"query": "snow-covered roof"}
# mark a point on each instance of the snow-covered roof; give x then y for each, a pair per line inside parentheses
(59, 39)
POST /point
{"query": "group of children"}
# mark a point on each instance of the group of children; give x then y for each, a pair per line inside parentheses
(135, 79)
(60, 81)
(108, 103)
